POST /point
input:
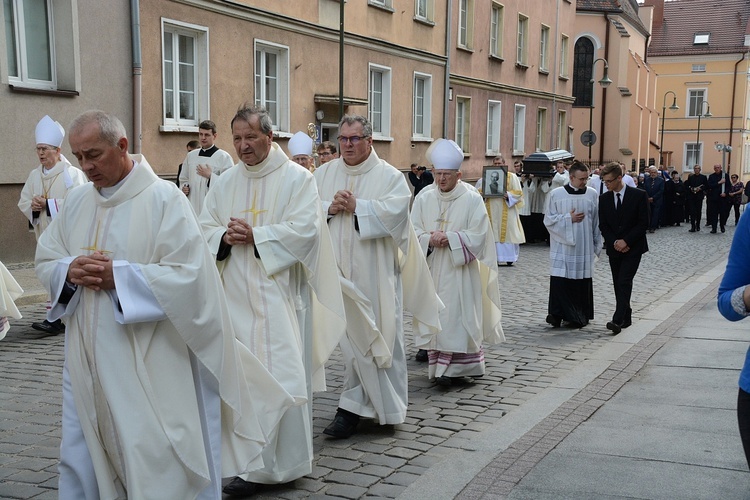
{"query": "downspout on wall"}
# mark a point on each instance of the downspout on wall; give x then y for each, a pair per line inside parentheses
(731, 112)
(446, 93)
(135, 35)
(604, 92)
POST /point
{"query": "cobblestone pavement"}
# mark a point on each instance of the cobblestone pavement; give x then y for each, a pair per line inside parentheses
(378, 461)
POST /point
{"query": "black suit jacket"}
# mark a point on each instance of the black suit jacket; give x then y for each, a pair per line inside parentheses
(630, 223)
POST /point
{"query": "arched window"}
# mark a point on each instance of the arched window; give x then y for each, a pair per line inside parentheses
(582, 62)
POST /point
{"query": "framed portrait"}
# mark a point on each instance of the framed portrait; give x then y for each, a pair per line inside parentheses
(494, 180)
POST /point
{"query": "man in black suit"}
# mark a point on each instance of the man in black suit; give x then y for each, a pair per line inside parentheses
(717, 199)
(623, 221)
(697, 186)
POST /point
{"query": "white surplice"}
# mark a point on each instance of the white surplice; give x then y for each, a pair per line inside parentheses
(10, 290)
(464, 273)
(573, 246)
(219, 161)
(53, 184)
(286, 305)
(382, 272)
(145, 362)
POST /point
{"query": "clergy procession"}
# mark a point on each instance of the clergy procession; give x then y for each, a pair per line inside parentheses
(199, 316)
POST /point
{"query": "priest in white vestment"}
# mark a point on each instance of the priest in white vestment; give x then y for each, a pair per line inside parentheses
(155, 401)
(505, 217)
(382, 272)
(454, 232)
(203, 166)
(264, 223)
(44, 193)
(575, 241)
(10, 290)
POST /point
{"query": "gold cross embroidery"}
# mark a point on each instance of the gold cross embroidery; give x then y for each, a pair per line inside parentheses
(95, 246)
(442, 220)
(254, 210)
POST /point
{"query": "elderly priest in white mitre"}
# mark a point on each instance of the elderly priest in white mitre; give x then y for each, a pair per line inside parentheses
(155, 402)
(300, 150)
(454, 233)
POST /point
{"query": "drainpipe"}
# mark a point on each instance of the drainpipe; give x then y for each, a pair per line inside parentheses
(604, 93)
(731, 112)
(135, 35)
(446, 103)
(556, 68)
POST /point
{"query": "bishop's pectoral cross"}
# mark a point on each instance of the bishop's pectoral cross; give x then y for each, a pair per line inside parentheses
(95, 246)
(253, 210)
(442, 221)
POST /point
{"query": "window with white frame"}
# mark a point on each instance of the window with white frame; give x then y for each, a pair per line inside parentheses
(695, 100)
(272, 82)
(564, 56)
(746, 159)
(519, 129)
(544, 49)
(562, 130)
(522, 52)
(381, 3)
(379, 102)
(541, 129)
(466, 24)
(463, 115)
(699, 68)
(422, 105)
(29, 43)
(693, 154)
(424, 10)
(496, 30)
(184, 73)
(493, 127)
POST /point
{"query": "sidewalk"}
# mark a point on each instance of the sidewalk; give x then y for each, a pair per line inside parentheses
(652, 417)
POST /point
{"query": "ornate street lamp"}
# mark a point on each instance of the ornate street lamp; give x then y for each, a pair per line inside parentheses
(673, 107)
(604, 82)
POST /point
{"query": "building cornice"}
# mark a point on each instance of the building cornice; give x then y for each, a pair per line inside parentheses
(275, 20)
(691, 58)
(508, 89)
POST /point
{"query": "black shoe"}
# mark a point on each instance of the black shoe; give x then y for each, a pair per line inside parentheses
(421, 356)
(575, 325)
(626, 324)
(238, 487)
(713, 231)
(552, 320)
(697, 228)
(723, 229)
(343, 425)
(508, 264)
(691, 230)
(615, 327)
(444, 381)
(54, 328)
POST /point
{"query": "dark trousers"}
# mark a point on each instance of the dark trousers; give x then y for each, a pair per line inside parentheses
(623, 268)
(717, 212)
(695, 205)
(743, 419)
(736, 212)
(655, 214)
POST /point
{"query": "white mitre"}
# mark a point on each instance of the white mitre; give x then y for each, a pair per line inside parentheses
(445, 154)
(300, 144)
(49, 132)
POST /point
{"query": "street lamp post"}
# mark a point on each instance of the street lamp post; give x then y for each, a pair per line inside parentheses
(707, 115)
(604, 82)
(724, 148)
(673, 107)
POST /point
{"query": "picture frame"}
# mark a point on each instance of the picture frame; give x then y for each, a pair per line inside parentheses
(494, 180)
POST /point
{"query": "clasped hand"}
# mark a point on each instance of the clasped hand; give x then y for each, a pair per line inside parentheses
(438, 239)
(92, 271)
(38, 203)
(576, 216)
(343, 201)
(239, 232)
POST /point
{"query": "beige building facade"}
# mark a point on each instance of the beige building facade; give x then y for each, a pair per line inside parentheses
(57, 57)
(622, 115)
(510, 79)
(704, 69)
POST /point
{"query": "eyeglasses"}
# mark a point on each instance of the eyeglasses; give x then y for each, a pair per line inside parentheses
(353, 140)
(42, 149)
(609, 181)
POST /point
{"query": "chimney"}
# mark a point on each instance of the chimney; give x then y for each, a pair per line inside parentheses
(658, 13)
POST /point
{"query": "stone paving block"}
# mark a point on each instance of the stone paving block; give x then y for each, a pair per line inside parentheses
(385, 490)
(401, 478)
(19, 490)
(393, 462)
(352, 478)
(375, 470)
(30, 477)
(345, 491)
(339, 463)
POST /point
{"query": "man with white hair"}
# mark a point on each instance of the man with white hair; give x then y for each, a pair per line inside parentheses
(455, 235)
(44, 193)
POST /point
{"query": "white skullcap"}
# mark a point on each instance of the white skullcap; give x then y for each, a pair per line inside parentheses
(300, 144)
(445, 154)
(49, 132)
